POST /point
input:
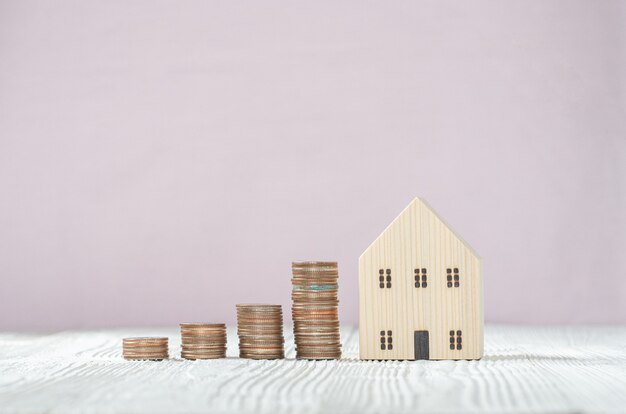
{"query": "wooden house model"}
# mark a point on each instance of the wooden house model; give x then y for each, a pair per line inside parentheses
(420, 291)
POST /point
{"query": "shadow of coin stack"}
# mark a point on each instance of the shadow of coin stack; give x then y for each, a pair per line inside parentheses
(260, 331)
(203, 340)
(145, 348)
(314, 310)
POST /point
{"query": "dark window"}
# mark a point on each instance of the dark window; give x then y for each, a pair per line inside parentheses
(384, 281)
(386, 341)
(458, 339)
(452, 275)
(421, 277)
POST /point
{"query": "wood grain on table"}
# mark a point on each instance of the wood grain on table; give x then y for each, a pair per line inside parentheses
(552, 369)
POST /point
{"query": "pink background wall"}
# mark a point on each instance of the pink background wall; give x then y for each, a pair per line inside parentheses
(162, 161)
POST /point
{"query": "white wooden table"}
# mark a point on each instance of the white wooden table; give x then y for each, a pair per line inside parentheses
(526, 369)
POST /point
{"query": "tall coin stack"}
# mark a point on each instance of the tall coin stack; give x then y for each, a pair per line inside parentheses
(145, 348)
(260, 330)
(203, 340)
(314, 310)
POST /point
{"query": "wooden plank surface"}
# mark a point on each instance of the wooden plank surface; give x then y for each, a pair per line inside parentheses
(525, 369)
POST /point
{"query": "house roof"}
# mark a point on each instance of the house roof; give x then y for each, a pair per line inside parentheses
(421, 201)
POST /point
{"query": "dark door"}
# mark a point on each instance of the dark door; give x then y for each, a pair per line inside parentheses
(421, 344)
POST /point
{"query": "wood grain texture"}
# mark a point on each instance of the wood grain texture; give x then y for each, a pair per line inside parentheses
(419, 240)
(524, 370)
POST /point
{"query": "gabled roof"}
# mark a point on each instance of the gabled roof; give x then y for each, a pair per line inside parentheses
(425, 204)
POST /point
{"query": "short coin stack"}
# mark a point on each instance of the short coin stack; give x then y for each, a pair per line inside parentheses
(260, 330)
(314, 310)
(203, 340)
(145, 348)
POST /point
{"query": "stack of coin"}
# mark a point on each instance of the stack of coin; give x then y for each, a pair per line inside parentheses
(260, 330)
(145, 348)
(203, 340)
(314, 310)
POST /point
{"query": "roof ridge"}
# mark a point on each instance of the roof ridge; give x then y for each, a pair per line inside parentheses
(456, 233)
(431, 209)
